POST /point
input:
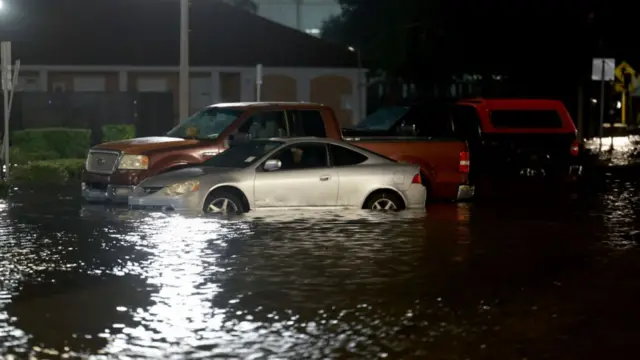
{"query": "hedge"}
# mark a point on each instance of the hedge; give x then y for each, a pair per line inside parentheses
(58, 171)
(118, 132)
(49, 143)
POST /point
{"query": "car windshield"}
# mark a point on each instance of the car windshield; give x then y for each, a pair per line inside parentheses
(383, 119)
(208, 123)
(243, 155)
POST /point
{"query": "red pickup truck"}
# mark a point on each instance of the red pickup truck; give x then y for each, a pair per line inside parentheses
(510, 140)
(114, 169)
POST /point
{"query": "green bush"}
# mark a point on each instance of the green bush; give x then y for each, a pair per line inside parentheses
(19, 157)
(50, 143)
(118, 132)
(57, 171)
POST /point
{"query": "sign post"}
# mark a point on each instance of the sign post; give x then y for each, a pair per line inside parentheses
(9, 80)
(625, 75)
(258, 81)
(602, 69)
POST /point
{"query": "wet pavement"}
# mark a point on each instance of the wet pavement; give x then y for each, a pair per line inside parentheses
(534, 278)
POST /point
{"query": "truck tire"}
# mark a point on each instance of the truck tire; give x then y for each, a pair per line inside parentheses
(223, 202)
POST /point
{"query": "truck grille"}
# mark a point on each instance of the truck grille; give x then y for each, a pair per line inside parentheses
(102, 162)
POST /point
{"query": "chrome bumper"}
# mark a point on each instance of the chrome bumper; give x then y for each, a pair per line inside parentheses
(114, 193)
(465, 192)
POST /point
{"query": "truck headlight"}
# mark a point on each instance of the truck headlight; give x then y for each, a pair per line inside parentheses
(134, 162)
(181, 188)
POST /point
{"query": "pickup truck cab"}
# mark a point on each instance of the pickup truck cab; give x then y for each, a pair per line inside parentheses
(114, 169)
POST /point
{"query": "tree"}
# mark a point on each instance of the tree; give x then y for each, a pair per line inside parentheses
(428, 42)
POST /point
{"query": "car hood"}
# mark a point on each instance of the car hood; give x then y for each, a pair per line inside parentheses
(185, 174)
(144, 145)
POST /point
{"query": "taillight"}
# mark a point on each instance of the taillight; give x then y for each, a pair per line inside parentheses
(464, 164)
(416, 179)
(575, 148)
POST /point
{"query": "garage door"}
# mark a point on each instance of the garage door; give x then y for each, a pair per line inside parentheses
(89, 83)
(152, 85)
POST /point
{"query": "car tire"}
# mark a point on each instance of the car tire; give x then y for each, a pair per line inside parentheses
(385, 201)
(218, 200)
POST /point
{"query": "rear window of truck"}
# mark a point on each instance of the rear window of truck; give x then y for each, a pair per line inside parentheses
(526, 119)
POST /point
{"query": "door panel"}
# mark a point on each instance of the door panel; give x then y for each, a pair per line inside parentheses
(296, 188)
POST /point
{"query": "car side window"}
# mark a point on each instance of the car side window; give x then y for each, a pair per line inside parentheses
(341, 156)
(264, 125)
(302, 156)
(307, 123)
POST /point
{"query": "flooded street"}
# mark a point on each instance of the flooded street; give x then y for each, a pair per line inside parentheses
(536, 278)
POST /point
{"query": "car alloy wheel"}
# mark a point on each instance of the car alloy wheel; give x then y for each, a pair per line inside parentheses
(222, 205)
(384, 204)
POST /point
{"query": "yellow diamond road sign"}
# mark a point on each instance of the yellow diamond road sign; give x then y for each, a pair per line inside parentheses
(622, 68)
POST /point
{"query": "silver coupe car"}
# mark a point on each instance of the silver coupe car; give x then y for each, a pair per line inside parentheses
(286, 173)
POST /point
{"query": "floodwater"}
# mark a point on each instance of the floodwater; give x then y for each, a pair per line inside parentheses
(541, 277)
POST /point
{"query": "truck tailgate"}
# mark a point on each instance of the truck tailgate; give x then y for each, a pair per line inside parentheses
(511, 153)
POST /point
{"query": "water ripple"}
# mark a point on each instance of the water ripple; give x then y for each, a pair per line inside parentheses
(510, 280)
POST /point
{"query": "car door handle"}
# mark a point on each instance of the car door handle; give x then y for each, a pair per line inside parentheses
(325, 177)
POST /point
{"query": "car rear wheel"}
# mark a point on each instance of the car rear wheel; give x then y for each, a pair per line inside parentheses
(222, 202)
(385, 201)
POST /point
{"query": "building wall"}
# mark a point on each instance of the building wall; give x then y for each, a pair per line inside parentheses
(337, 88)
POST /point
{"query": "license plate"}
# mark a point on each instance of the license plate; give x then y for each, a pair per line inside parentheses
(528, 172)
(123, 191)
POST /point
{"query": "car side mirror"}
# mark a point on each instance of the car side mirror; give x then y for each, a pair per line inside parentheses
(272, 165)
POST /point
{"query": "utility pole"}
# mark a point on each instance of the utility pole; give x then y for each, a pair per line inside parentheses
(298, 14)
(184, 60)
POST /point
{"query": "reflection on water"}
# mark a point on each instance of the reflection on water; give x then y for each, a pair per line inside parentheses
(522, 279)
(617, 150)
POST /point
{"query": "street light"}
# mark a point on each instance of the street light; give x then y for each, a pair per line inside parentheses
(359, 81)
(183, 92)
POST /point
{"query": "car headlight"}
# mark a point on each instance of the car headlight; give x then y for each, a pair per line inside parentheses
(134, 162)
(181, 188)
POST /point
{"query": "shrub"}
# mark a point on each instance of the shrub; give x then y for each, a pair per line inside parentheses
(118, 132)
(57, 171)
(50, 143)
(20, 157)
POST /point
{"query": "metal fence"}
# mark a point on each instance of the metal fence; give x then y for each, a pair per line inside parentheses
(151, 113)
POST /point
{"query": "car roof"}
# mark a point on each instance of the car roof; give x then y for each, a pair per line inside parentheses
(297, 139)
(259, 104)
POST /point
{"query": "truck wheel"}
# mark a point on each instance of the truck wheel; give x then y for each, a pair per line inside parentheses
(222, 202)
(385, 201)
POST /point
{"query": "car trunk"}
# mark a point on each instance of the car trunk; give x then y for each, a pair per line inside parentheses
(527, 155)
